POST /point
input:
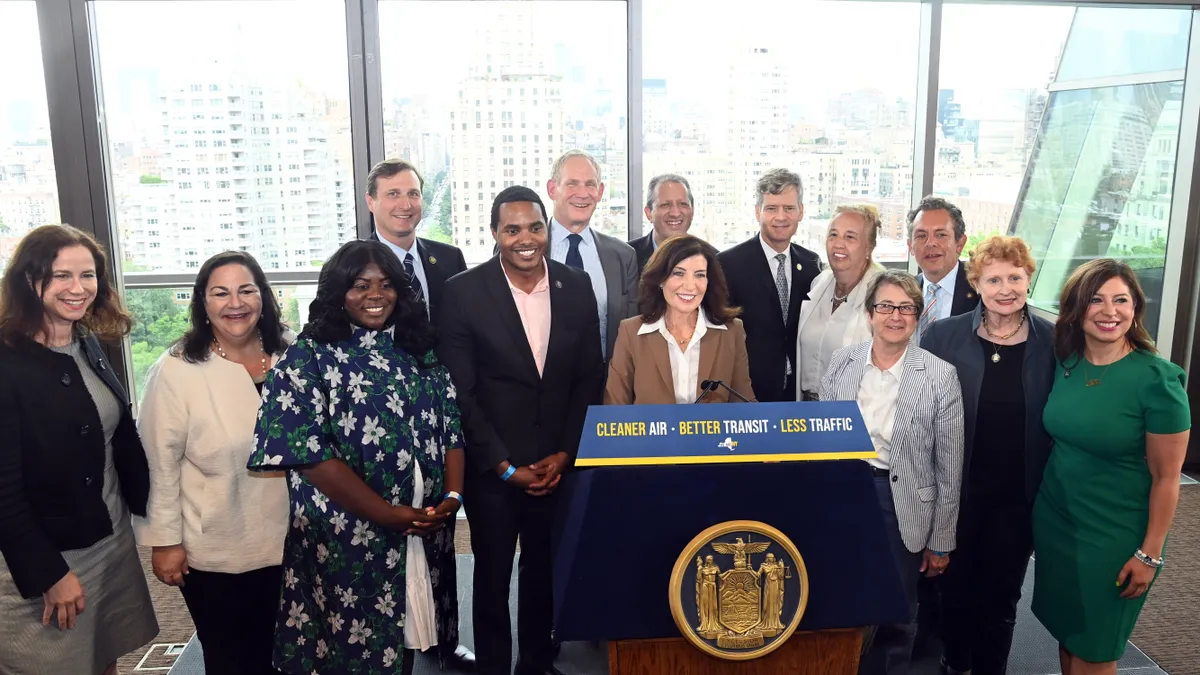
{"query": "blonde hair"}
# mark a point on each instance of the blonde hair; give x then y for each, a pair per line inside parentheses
(1008, 249)
(871, 221)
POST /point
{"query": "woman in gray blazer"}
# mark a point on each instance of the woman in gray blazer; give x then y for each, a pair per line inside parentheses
(1005, 361)
(912, 407)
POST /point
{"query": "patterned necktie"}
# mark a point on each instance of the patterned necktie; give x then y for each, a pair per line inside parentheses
(574, 259)
(414, 281)
(781, 284)
(930, 313)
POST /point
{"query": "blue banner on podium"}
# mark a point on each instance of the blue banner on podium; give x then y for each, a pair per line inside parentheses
(710, 433)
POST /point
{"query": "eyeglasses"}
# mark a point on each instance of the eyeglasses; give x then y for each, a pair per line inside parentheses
(887, 308)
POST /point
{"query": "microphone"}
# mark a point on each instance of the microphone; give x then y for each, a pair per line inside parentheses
(706, 387)
(712, 385)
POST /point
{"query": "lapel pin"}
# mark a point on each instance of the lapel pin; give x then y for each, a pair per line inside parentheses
(432, 260)
(558, 284)
(799, 267)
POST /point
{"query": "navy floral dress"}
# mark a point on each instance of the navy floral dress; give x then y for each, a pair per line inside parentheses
(366, 402)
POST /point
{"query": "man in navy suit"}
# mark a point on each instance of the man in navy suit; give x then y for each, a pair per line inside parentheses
(669, 208)
(394, 196)
(768, 278)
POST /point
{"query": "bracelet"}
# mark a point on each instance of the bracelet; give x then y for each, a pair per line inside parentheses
(940, 554)
(454, 495)
(1147, 560)
(508, 474)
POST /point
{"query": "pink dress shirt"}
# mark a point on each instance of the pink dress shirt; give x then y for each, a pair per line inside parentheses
(534, 309)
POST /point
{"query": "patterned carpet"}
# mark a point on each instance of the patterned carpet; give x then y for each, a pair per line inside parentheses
(1166, 631)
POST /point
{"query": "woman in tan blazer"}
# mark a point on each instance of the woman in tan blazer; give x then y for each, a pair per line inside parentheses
(686, 333)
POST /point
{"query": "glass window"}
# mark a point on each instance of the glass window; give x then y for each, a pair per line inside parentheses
(990, 105)
(198, 47)
(517, 63)
(735, 99)
(1107, 42)
(1100, 185)
(161, 317)
(28, 187)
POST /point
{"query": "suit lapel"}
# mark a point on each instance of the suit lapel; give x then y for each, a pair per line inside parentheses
(797, 292)
(766, 277)
(662, 359)
(964, 295)
(433, 274)
(506, 307)
(559, 338)
(854, 373)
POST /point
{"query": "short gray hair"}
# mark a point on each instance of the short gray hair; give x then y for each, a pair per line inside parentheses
(557, 169)
(657, 181)
(900, 279)
(775, 182)
(931, 203)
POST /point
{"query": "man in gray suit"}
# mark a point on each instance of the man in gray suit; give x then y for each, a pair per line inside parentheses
(576, 189)
(911, 404)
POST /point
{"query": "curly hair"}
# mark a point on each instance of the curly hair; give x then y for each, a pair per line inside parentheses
(1012, 250)
(328, 321)
(29, 274)
(194, 345)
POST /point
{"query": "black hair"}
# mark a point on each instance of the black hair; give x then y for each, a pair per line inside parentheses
(194, 345)
(328, 321)
(516, 193)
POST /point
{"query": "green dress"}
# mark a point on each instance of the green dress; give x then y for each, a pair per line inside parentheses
(1092, 509)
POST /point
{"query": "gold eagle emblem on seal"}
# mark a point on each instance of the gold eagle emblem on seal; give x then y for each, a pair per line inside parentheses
(731, 605)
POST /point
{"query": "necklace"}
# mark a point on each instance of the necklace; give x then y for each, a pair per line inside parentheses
(684, 340)
(265, 366)
(996, 347)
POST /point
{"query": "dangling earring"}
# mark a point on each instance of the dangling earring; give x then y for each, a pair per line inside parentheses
(206, 321)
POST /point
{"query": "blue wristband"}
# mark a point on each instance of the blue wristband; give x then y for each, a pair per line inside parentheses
(939, 554)
(508, 474)
(455, 496)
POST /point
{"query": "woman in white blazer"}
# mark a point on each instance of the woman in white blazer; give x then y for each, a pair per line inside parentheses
(218, 530)
(834, 316)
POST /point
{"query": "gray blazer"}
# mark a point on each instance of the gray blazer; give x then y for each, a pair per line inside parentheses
(927, 441)
(621, 277)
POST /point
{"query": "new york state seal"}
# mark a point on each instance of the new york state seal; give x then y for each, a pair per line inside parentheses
(738, 590)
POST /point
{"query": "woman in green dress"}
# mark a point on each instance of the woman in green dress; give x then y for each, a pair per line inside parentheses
(1120, 421)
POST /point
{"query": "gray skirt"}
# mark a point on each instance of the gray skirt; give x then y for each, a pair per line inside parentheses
(118, 617)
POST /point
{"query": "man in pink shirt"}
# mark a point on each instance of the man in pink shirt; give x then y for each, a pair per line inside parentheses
(521, 338)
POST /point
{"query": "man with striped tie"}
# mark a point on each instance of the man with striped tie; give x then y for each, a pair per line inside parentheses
(394, 196)
(937, 234)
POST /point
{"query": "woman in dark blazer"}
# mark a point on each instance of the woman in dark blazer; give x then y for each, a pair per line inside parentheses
(73, 598)
(1005, 361)
(685, 336)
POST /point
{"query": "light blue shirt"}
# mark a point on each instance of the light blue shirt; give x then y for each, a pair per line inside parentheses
(417, 266)
(945, 294)
(591, 264)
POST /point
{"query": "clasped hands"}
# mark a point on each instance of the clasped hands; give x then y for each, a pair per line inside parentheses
(425, 521)
(541, 478)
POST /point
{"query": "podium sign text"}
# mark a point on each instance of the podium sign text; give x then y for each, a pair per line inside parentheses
(723, 432)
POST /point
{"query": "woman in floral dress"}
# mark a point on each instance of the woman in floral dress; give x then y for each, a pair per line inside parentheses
(363, 418)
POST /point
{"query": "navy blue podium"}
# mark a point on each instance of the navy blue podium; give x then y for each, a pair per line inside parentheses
(621, 527)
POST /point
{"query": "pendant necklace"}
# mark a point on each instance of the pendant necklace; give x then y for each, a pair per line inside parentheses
(265, 366)
(996, 347)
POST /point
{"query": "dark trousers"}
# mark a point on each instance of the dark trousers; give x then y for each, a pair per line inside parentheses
(929, 618)
(982, 585)
(890, 650)
(500, 514)
(235, 618)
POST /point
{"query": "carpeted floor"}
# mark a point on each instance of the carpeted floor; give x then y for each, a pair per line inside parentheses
(1166, 631)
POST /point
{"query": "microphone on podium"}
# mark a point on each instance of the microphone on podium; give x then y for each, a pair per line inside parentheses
(713, 385)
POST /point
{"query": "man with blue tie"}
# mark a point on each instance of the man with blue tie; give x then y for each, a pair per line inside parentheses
(576, 189)
(394, 196)
(937, 234)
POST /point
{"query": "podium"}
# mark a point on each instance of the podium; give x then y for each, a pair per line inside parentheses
(637, 501)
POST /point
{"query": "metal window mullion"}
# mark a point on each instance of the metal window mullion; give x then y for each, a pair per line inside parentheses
(1118, 80)
(366, 116)
(1177, 317)
(635, 121)
(928, 68)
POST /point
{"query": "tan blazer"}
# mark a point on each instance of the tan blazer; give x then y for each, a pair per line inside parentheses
(640, 368)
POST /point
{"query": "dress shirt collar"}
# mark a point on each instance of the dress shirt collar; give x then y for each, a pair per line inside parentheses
(559, 232)
(542, 285)
(661, 325)
(771, 253)
(949, 281)
(897, 369)
(402, 252)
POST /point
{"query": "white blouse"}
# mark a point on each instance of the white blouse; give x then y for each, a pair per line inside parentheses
(197, 424)
(824, 331)
(685, 362)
